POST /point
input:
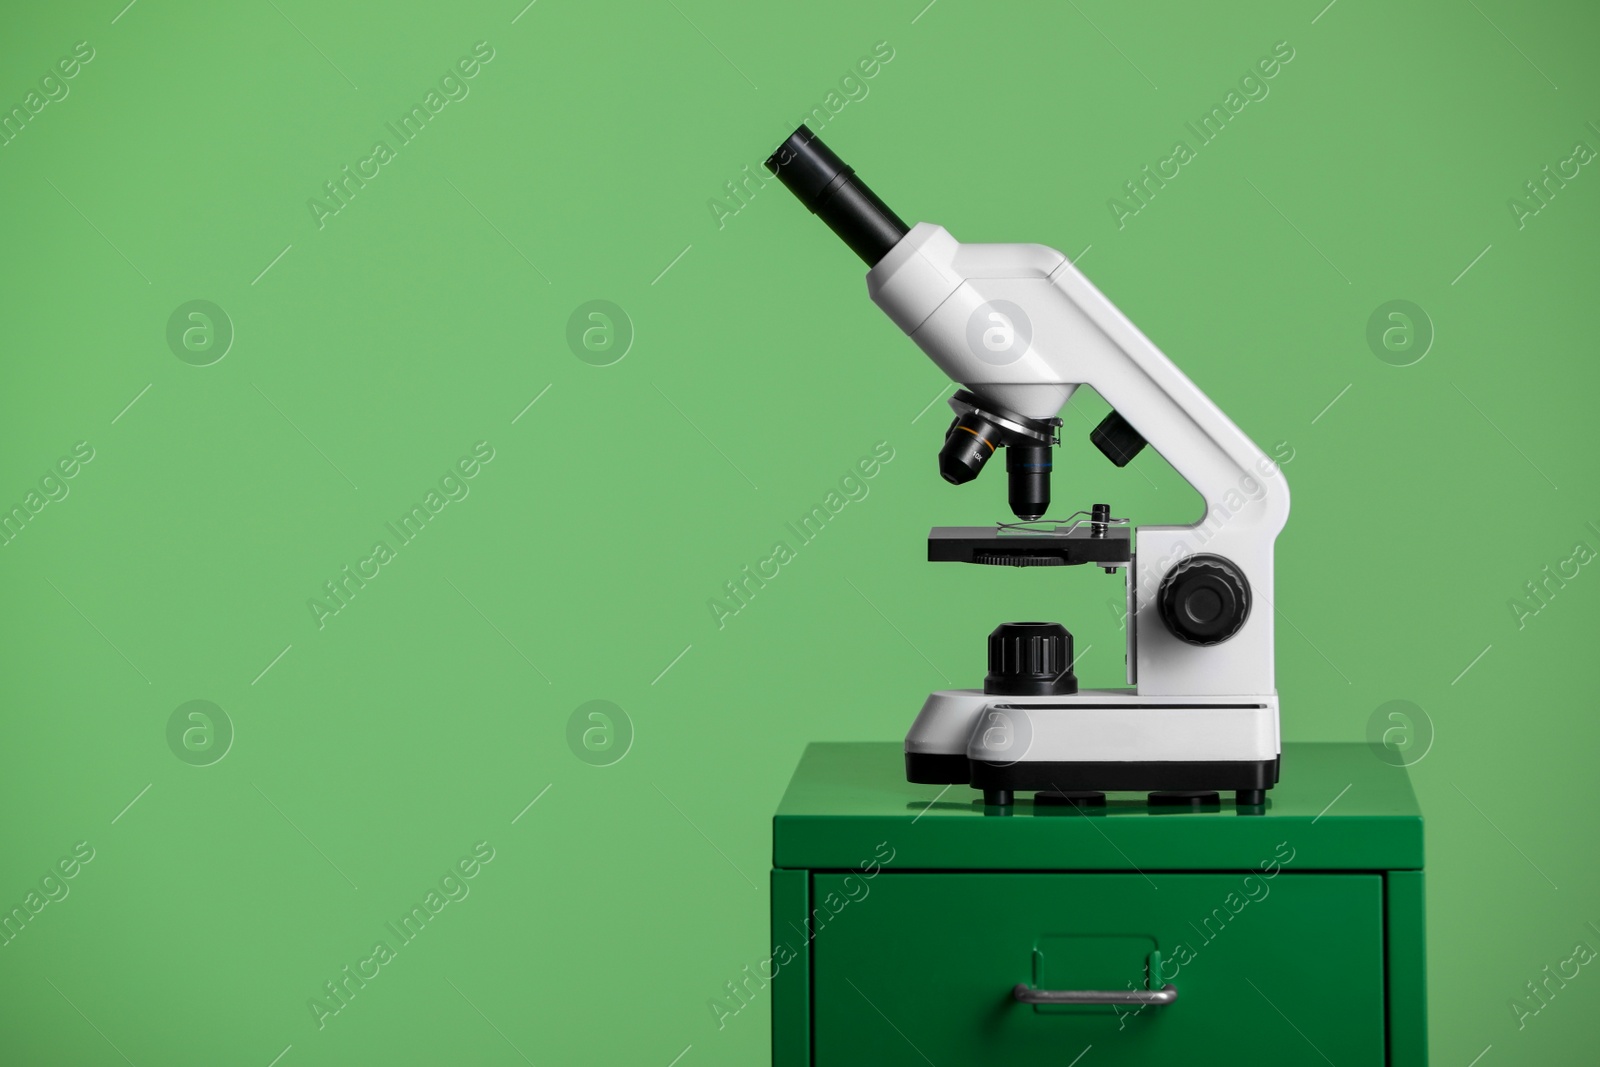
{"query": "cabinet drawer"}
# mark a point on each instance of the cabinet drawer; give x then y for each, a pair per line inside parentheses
(919, 968)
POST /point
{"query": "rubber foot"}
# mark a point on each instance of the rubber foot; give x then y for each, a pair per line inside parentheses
(997, 798)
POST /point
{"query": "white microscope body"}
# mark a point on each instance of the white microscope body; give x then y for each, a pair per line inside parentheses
(1021, 328)
(1189, 703)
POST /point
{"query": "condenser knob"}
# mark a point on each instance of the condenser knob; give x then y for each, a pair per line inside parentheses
(1204, 600)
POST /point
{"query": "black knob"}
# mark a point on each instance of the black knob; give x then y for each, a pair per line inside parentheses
(1204, 600)
(1030, 659)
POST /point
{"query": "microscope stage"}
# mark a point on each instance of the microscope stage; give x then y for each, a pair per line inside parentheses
(1016, 547)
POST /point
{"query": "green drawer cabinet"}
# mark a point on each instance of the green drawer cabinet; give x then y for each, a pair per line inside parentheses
(903, 916)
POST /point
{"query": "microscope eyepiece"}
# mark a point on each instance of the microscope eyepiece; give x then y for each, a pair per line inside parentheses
(830, 190)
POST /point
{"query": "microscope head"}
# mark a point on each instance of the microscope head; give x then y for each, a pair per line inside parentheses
(831, 190)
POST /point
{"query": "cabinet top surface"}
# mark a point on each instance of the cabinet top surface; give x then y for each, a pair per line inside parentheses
(1352, 811)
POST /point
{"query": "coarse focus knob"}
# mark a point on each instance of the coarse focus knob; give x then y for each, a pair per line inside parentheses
(1030, 659)
(1204, 600)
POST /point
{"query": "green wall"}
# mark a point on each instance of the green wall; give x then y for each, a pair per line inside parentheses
(378, 347)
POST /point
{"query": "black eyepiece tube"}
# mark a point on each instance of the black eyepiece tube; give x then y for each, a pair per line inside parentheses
(831, 190)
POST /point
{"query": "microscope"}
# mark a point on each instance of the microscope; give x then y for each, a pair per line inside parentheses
(1019, 328)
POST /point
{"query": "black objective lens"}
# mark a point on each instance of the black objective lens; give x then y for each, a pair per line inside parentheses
(831, 191)
(968, 444)
(1028, 467)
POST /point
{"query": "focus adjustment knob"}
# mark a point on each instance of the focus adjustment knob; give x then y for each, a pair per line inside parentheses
(1204, 600)
(1030, 659)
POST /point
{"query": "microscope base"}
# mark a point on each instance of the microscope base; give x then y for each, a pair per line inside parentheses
(1096, 740)
(1248, 778)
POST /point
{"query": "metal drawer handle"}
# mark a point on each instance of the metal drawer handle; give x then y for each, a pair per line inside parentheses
(1028, 995)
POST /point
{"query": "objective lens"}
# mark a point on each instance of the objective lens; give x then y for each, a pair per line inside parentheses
(1028, 467)
(968, 444)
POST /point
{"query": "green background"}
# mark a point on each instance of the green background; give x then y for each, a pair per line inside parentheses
(372, 753)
